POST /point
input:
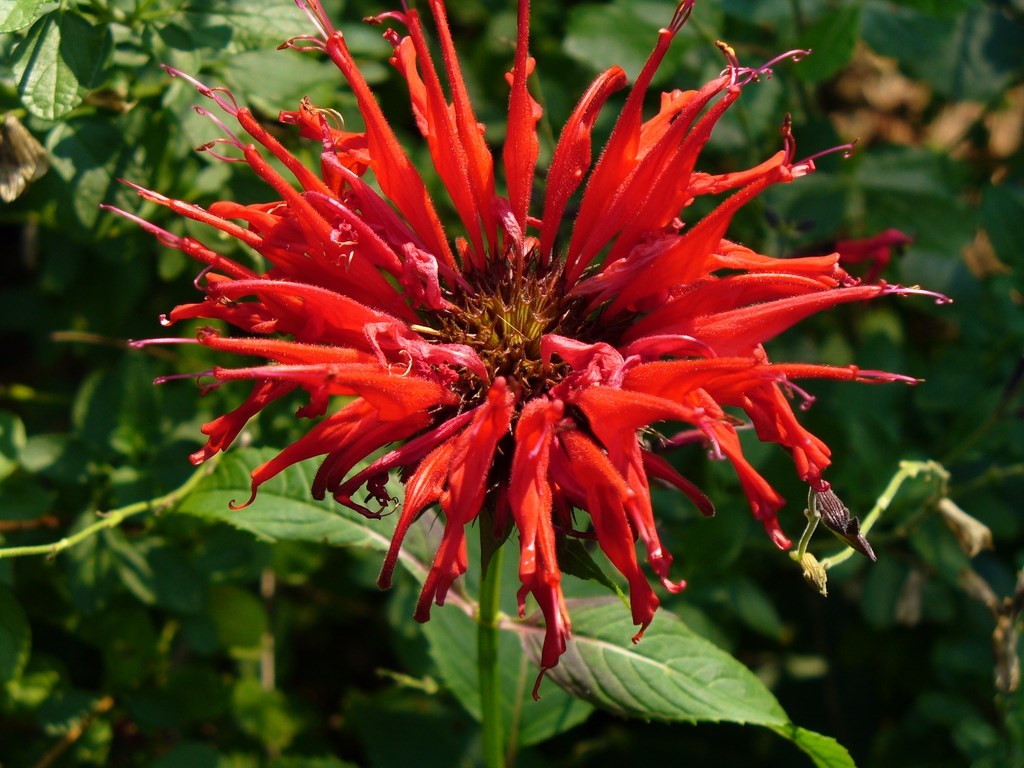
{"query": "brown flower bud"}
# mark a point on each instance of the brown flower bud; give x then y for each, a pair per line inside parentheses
(836, 517)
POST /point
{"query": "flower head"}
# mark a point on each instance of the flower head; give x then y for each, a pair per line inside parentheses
(512, 367)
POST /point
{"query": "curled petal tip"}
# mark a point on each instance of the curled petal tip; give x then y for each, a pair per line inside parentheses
(536, 685)
(235, 506)
(640, 635)
(674, 587)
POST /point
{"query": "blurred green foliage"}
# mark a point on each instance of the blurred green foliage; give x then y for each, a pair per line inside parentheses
(176, 639)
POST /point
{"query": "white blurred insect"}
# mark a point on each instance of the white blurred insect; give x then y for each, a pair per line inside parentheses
(22, 158)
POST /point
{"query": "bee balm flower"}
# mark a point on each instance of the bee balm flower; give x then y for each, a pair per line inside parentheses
(511, 367)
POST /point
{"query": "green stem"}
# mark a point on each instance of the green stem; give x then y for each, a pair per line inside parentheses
(487, 663)
(813, 517)
(113, 518)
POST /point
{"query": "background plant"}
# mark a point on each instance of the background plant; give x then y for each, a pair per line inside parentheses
(167, 636)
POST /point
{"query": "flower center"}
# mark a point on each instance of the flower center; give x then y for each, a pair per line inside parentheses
(505, 318)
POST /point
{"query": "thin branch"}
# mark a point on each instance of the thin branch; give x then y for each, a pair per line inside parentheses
(114, 518)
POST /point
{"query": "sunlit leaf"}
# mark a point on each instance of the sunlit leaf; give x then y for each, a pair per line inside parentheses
(18, 14)
(672, 674)
(61, 54)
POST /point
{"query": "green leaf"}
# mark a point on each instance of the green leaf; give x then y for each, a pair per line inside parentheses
(61, 54)
(743, 598)
(18, 14)
(452, 638)
(575, 560)
(15, 636)
(1002, 210)
(91, 568)
(248, 24)
(376, 718)
(239, 618)
(825, 751)
(967, 56)
(284, 509)
(672, 674)
(12, 442)
(599, 34)
(833, 40)
(264, 714)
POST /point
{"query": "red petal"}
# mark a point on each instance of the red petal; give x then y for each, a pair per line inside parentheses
(582, 468)
(572, 154)
(521, 145)
(464, 494)
(395, 173)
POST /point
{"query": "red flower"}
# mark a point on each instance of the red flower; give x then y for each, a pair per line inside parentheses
(512, 374)
(874, 251)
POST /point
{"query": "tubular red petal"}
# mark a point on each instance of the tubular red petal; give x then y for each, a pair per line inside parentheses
(572, 154)
(395, 173)
(617, 159)
(686, 260)
(223, 430)
(716, 295)
(737, 331)
(658, 468)
(581, 465)
(423, 487)
(463, 495)
(445, 143)
(521, 145)
(478, 155)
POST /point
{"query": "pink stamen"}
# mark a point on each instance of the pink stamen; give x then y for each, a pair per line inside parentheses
(176, 376)
(398, 16)
(315, 44)
(165, 237)
(141, 343)
(788, 140)
(765, 70)
(916, 290)
(316, 14)
(147, 194)
(234, 140)
(222, 96)
(886, 377)
(682, 13)
(848, 151)
(205, 271)
(208, 148)
(807, 398)
(733, 64)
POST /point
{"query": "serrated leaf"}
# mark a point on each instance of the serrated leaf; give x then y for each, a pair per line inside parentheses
(825, 751)
(61, 54)
(672, 674)
(15, 636)
(452, 638)
(18, 14)
(573, 559)
(284, 509)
